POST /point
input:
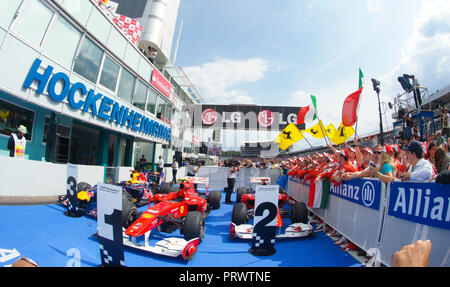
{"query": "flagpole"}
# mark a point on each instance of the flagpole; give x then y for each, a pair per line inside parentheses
(320, 122)
(307, 140)
(360, 84)
(323, 132)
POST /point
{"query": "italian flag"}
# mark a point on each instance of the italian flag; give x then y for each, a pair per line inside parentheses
(318, 193)
(307, 114)
(351, 104)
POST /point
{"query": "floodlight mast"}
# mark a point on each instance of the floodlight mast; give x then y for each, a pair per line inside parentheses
(376, 88)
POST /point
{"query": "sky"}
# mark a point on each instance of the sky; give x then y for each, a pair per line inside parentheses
(279, 52)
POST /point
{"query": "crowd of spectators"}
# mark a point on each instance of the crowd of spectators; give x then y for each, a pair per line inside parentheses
(406, 160)
(412, 161)
(408, 157)
(255, 163)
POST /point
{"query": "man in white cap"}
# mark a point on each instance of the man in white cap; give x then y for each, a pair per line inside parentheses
(17, 143)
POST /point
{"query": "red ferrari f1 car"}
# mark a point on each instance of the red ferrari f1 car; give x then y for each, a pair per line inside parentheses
(184, 210)
(243, 210)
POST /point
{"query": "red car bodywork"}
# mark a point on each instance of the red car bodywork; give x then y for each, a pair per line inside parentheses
(167, 207)
(249, 200)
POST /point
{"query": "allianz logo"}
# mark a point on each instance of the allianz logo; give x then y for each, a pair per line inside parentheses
(352, 192)
(419, 203)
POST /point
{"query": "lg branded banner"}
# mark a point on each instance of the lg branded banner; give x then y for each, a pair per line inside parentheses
(245, 117)
(424, 203)
(364, 192)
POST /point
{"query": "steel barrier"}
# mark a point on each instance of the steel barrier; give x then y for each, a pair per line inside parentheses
(218, 175)
(417, 211)
(381, 219)
(371, 214)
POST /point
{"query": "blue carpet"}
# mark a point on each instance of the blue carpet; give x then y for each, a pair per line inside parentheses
(44, 234)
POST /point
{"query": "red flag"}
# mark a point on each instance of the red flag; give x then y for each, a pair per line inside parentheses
(350, 108)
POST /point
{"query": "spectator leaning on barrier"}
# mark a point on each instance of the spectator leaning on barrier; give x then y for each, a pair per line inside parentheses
(442, 161)
(388, 168)
(344, 166)
(366, 172)
(420, 169)
(366, 158)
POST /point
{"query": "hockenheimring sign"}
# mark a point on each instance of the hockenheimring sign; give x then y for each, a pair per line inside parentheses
(246, 117)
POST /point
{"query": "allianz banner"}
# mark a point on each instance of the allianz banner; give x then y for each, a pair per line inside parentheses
(424, 203)
(365, 192)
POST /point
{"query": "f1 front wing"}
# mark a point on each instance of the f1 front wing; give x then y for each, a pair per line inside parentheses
(172, 246)
(245, 231)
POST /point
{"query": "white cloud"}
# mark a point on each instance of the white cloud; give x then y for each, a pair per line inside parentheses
(426, 52)
(373, 6)
(218, 81)
(299, 98)
(305, 12)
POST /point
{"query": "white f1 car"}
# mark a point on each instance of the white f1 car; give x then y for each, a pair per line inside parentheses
(300, 227)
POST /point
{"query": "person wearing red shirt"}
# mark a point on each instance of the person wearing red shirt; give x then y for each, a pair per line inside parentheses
(345, 166)
(366, 157)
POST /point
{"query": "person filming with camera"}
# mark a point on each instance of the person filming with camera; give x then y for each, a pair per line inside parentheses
(233, 168)
(193, 168)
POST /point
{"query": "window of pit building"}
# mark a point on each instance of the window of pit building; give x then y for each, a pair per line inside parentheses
(33, 21)
(12, 116)
(62, 31)
(87, 62)
(126, 86)
(140, 96)
(109, 75)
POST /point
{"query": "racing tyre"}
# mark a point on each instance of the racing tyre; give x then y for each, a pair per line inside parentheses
(214, 199)
(239, 215)
(83, 186)
(194, 226)
(240, 191)
(166, 188)
(299, 213)
(129, 210)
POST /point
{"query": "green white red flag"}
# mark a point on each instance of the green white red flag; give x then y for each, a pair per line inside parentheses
(318, 193)
(307, 114)
(351, 104)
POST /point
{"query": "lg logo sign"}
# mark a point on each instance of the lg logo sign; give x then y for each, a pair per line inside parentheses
(209, 116)
(265, 118)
